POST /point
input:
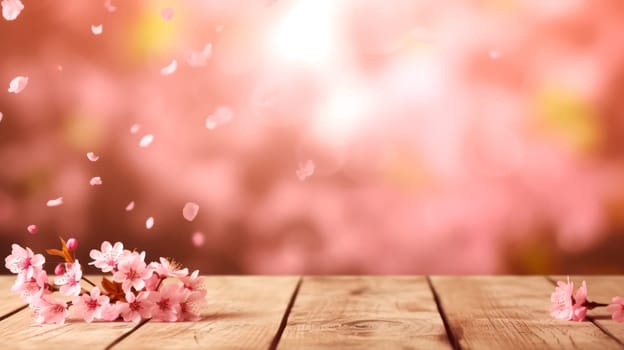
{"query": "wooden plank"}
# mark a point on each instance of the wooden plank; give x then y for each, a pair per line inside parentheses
(20, 332)
(364, 313)
(601, 289)
(10, 300)
(511, 312)
(242, 313)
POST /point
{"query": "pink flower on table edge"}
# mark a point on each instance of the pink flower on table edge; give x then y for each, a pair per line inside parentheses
(565, 306)
(110, 312)
(24, 261)
(616, 308)
(70, 281)
(132, 271)
(48, 309)
(153, 281)
(137, 307)
(107, 258)
(167, 268)
(190, 307)
(29, 288)
(193, 282)
(89, 305)
(167, 302)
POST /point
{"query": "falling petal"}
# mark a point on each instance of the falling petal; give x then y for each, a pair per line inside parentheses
(221, 116)
(32, 229)
(167, 13)
(190, 211)
(130, 206)
(95, 181)
(96, 30)
(92, 157)
(149, 223)
(1, 116)
(495, 54)
(170, 69)
(59, 68)
(135, 128)
(305, 170)
(219, 29)
(146, 140)
(199, 58)
(18, 84)
(211, 123)
(109, 6)
(11, 9)
(55, 202)
(198, 239)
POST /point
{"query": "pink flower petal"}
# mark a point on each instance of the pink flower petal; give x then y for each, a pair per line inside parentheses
(167, 13)
(32, 229)
(146, 141)
(55, 202)
(219, 29)
(18, 84)
(92, 157)
(130, 206)
(305, 170)
(170, 69)
(95, 181)
(190, 211)
(59, 68)
(199, 58)
(198, 239)
(109, 6)
(221, 116)
(96, 30)
(11, 9)
(135, 128)
(494, 54)
(1, 116)
(149, 223)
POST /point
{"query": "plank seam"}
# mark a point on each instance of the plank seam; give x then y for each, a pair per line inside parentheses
(9, 314)
(592, 320)
(447, 326)
(284, 322)
(125, 335)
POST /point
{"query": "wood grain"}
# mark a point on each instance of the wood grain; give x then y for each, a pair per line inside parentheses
(10, 300)
(364, 313)
(242, 313)
(601, 289)
(511, 312)
(19, 332)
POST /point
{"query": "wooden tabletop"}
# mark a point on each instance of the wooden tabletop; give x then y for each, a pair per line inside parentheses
(345, 312)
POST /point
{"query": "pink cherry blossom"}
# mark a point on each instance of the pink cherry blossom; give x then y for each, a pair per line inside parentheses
(32, 229)
(616, 308)
(170, 68)
(72, 244)
(107, 258)
(31, 287)
(70, 281)
(154, 281)
(564, 306)
(59, 269)
(24, 261)
(11, 9)
(89, 305)
(191, 305)
(167, 269)
(194, 282)
(110, 312)
(48, 309)
(137, 307)
(190, 210)
(132, 271)
(18, 84)
(167, 302)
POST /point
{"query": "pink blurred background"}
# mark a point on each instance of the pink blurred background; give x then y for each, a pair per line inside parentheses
(360, 136)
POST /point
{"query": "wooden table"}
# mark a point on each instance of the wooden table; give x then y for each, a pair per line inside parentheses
(345, 312)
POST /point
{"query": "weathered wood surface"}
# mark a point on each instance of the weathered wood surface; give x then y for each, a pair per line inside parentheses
(242, 313)
(364, 313)
(511, 312)
(345, 312)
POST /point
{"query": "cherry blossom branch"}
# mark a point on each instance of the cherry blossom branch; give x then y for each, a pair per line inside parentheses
(88, 281)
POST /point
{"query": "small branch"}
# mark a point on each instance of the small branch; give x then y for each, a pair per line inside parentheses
(592, 304)
(88, 281)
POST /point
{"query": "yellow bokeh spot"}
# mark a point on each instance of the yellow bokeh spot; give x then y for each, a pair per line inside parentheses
(82, 131)
(570, 117)
(150, 35)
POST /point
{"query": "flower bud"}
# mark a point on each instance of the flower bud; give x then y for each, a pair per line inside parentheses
(59, 269)
(72, 244)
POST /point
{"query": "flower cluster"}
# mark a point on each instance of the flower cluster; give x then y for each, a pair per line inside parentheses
(136, 290)
(569, 306)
